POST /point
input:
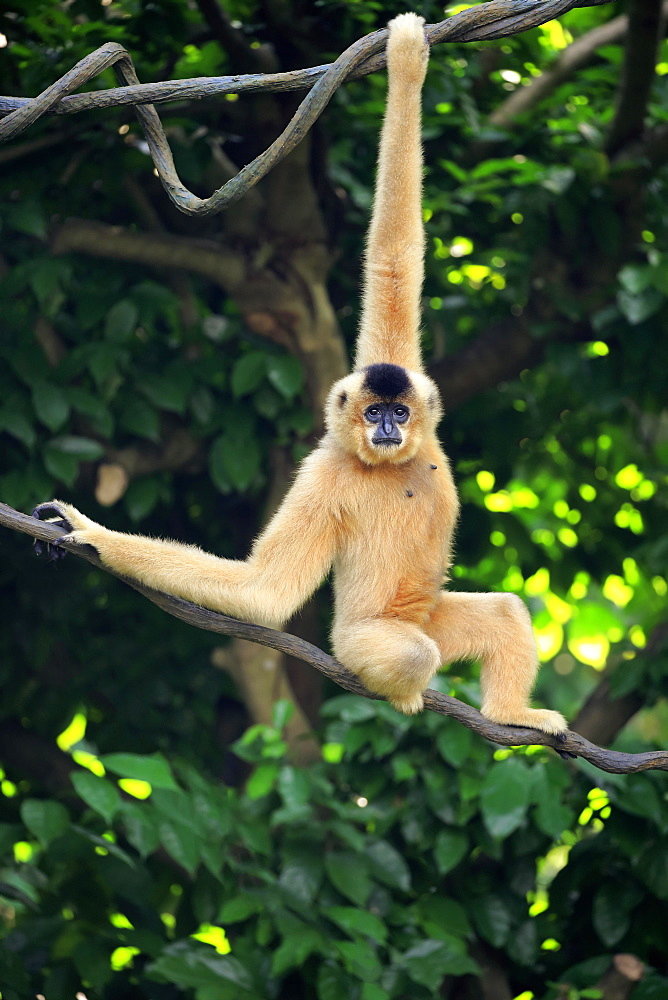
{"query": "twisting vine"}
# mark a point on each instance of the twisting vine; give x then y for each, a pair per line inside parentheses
(495, 19)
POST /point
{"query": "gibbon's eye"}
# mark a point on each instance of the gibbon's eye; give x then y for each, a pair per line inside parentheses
(373, 413)
(401, 413)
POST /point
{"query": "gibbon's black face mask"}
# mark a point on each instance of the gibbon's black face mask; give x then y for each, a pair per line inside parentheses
(386, 417)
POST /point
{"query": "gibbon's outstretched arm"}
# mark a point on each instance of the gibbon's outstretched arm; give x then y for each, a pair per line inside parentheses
(393, 271)
(287, 563)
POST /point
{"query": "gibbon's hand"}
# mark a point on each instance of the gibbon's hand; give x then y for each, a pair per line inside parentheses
(408, 51)
(76, 528)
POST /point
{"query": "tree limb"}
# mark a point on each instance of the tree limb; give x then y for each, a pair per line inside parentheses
(646, 18)
(612, 761)
(495, 19)
(572, 58)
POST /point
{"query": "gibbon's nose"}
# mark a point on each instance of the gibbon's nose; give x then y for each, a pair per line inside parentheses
(387, 431)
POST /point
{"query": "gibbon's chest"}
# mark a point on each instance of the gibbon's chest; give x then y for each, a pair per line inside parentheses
(404, 510)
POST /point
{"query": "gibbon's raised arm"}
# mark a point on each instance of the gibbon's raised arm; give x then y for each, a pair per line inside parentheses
(394, 270)
(287, 563)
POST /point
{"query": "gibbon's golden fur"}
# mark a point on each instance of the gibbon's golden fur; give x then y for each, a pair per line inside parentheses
(376, 499)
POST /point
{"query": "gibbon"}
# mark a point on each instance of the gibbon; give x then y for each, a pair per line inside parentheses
(376, 499)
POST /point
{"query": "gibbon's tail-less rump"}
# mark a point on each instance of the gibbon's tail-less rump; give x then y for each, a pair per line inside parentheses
(376, 499)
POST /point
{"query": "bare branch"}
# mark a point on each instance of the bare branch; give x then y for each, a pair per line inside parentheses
(495, 19)
(204, 257)
(646, 19)
(568, 63)
(612, 761)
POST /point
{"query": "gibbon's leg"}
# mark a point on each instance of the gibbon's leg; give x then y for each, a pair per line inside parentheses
(390, 657)
(393, 262)
(496, 629)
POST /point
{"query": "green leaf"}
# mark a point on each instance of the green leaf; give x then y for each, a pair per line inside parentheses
(121, 321)
(449, 849)
(188, 964)
(28, 216)
(428, 962)
(102, 362)
(388, 866)
(372, 991)
(454, 743)
(167, 392)
(262, 780)
(82, 448)
(635, 277)
(91, 959)
(360, 959)
(141, 496)
(281, 713)
(248, 373)
(18, 426)
(45, 819)
(61, 465)
(333, 983)
(296, 948)
(234, 460)
(492, 918)
(609, 916)
(357, 922)
(107, 846)
(180, 843)
(139, 417)
(442, 917)
(294, 786)
(302, 875)
(234, 911)
(349, 874)
(637, 308)
(50, 404)
(98, 793)
(285, 374)
(504, 796)
(523, 944)
(652, 867)
(153, 768)
(92, 407)
(140, 828)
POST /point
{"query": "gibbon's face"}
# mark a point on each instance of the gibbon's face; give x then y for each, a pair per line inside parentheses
(382, 413)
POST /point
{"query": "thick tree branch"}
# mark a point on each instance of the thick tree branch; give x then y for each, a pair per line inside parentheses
(612, 761)
(646, 18)
(204, 257)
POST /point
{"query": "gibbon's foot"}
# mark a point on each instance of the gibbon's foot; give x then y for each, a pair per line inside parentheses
(536, 718)
(409, 706)
(564, 754)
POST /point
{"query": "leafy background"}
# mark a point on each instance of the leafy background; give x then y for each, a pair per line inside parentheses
(183, 818)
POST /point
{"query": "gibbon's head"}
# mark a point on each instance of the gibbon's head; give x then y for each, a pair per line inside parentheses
(383, 413)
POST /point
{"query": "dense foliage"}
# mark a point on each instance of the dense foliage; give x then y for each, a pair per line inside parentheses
(162, 835)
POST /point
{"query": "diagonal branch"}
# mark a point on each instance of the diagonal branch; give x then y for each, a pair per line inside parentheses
(612, 761)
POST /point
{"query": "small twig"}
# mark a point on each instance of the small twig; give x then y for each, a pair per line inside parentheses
(495, 19)
(607, 760)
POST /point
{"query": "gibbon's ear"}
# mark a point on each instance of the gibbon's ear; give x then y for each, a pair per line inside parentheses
(393, 265)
